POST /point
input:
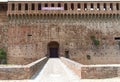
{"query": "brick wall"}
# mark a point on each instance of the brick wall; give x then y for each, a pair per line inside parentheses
(18, 72)
(93, 71)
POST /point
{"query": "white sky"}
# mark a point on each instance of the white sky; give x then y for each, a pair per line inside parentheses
(56, 0)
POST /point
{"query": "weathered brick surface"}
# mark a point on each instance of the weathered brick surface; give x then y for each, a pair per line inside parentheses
(98, 72)
(18, 72)
(28, 39)
(93, 71)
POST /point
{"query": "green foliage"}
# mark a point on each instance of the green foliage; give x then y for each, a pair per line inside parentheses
(95, 41)
(2, 56)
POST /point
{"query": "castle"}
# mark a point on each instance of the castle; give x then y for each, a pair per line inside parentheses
(82, 30)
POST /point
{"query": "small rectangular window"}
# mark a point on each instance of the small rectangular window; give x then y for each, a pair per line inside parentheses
(104, 6)
(52, 5)
(117, 6)
(39, 6)
(72, 6)
(65, 6)
(98, 6)
(92, 6)
(85, 6)
(26, 6)
(13, 6)
(111, 6)
(117, 38)
(19, 6)
(46, 5)
(79, 6)
(33, 6)
(59, 5)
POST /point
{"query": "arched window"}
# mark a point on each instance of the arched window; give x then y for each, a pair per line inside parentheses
(72, 6)
(19, 6)
(65, 6)
(13, 6)
(26, 6)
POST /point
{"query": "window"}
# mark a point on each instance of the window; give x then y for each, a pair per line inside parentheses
(52, 5)
(85, 6)
(92, 6)
(72, 6)
(79, 6)
(117, 6)
(3, 7)
(98, 6)
(117, 38)
(65, 6)
(13, 6)
(67, 54)
(111, 6)
(59, 5)
(46, 5)
(19, 6)
(26, 6)
(33, 7)
(39, 6)
(104, 6)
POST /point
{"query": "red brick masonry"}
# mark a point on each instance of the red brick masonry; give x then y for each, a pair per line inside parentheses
(18, 72)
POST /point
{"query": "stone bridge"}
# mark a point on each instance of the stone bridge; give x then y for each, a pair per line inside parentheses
(58, 70)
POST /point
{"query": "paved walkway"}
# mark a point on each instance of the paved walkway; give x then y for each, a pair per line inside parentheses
(55, 71)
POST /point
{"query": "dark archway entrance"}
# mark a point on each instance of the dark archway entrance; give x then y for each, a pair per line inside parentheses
(53, 49)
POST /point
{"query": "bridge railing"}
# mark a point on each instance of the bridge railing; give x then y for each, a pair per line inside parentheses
(93, 71)
(18, 72)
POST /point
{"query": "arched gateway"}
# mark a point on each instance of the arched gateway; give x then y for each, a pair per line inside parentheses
(53, 49)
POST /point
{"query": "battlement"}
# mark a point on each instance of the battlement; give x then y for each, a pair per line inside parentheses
(62, 7)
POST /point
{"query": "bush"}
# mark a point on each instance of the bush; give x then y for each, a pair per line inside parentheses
(95, 41)
(2, 56)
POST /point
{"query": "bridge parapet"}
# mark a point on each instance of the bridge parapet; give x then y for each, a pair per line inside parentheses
(18, 72)
(93, 71)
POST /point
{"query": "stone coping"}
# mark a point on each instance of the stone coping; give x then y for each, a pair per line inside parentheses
(82, 65)
(22, 66)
